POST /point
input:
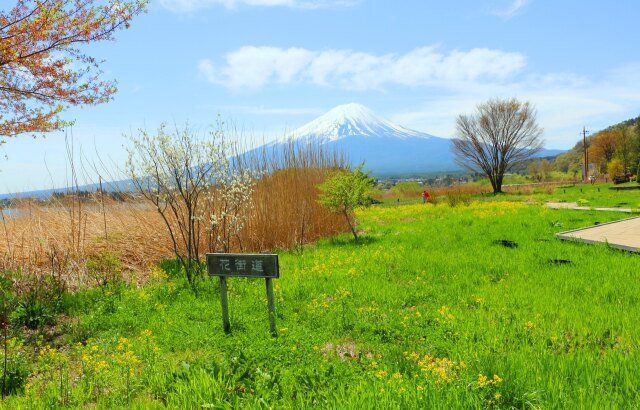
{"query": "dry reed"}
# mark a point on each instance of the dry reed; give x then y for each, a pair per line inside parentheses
(57, 236)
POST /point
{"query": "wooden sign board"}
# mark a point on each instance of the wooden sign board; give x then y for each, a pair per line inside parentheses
(243, 265)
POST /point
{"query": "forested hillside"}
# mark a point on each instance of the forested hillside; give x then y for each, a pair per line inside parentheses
(614, 151)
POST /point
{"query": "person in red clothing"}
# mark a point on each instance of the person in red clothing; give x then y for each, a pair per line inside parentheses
(425, 197)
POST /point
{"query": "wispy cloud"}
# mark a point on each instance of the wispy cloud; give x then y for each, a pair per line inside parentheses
(263, 110)
(455, 80)
(255, 67)
(564, 102)
(514, 8)
(194, 5)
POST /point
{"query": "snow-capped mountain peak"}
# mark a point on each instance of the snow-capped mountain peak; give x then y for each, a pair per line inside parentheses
(352, 120)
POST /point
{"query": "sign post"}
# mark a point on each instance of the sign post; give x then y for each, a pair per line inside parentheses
(226, 265)
(226, 325)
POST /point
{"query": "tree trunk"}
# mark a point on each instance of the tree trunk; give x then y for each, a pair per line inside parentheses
(351, 226)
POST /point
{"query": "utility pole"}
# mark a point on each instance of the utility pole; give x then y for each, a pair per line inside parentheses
(586, 155)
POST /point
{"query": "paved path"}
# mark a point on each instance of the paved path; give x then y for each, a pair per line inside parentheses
(624, 234)
(573, 205)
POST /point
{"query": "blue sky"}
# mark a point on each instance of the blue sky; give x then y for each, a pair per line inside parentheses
(268, 66)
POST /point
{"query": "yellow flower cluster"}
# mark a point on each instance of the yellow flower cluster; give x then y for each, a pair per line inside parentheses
(445, 315)
(91, 358)
(381, 374)
(443, 370)
(323, 301)
(50, 357)
(484, 381)
(342, 293)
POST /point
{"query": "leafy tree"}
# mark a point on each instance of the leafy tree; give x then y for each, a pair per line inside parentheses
(635, 157)
(603, 148)
(534, 170)
(346, 190)
(500, 134)
(545, 169)
(624, 148)
(615, 168)
(42, 70)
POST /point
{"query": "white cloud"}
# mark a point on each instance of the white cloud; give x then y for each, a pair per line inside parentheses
(194, 5)
(514, 8)
(263, 110)
(455, 81)
(564, 103)
(256, 67)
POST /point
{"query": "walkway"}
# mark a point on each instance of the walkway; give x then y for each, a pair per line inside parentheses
(573, 205)
(624, 234)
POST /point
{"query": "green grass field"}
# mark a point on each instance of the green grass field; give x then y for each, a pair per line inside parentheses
(597, 195)
(431, 310)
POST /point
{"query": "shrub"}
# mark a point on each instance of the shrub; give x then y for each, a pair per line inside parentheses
(345, 191)
(17, 369)
(615, 168)
(455, 198)
(105, 269)
(39, 300)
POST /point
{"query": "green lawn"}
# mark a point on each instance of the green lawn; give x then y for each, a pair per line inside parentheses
(596, 195)
(431, 310)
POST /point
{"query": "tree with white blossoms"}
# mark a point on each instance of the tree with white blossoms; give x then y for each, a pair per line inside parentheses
(229, 205)
(196, 184)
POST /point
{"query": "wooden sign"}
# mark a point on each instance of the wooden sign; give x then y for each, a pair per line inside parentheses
(226, 265)
(243, 265)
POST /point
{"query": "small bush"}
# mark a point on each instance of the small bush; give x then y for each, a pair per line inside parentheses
(620, 179)
(104, 269)
(17, 369)
(39, 300)
(455, 198)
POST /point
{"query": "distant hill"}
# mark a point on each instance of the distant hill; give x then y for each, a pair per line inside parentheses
(574, 158)
(113, 186)
(386, 148)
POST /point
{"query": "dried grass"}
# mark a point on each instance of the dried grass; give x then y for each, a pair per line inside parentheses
(56, 237)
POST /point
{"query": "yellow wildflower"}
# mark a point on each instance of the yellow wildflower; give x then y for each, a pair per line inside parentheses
(381, 374)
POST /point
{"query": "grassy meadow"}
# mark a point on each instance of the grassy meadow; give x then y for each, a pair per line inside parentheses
(596, 195)
(470, 306)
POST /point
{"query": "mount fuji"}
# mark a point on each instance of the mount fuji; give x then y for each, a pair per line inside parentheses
(386, 148)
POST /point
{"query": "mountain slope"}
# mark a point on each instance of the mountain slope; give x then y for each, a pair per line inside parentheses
(353, 120)
(385, 147)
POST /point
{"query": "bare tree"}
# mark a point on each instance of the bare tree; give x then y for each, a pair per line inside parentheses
(498, 135)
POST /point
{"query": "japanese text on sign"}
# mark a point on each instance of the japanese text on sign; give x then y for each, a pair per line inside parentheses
(244, 265)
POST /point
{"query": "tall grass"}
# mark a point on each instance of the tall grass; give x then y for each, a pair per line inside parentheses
(57, 236)
(286, 212)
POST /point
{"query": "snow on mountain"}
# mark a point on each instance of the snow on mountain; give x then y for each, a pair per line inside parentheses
(351, 120)
(386, 148)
